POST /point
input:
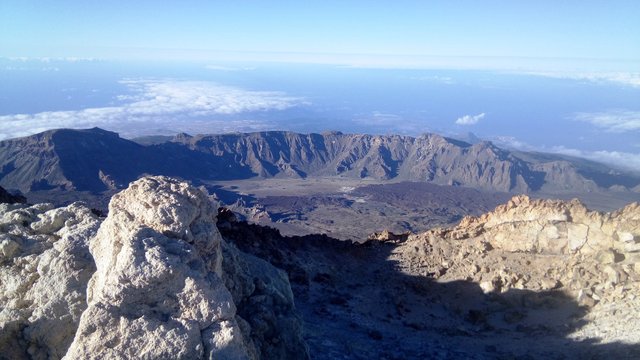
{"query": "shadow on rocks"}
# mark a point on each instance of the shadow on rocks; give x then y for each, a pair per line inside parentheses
(357, 304)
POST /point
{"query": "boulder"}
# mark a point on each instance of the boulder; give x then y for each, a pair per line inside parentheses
(157, 291)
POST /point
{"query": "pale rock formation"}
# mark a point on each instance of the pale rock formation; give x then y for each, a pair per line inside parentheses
(163, 290)
(45, 265)
(157, 291)
(387, 235)
(544, 245)
(554, 227)
(149, 283)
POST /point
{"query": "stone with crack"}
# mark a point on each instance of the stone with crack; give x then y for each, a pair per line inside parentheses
(45, 265)
(157, 291)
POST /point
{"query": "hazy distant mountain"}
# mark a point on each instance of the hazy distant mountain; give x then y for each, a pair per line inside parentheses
(98, 160)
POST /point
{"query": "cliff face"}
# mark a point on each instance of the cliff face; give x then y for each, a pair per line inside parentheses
(98, 160)
(160, 287)
(427, 158)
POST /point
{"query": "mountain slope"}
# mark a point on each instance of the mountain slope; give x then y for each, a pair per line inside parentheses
(430, 158)
(98, 160)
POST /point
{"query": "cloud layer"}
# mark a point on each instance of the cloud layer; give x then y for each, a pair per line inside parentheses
(470, 119)
(619, 159)
(158, 103)
(613, 121)
(624, 78)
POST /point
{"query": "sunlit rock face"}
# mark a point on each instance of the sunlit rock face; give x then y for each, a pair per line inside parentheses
(146, 282)
(544, 245)
(45, 265)
(157, 290)
(556, 227)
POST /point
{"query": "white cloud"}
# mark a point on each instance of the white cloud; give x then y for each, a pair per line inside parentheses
(625, 78)
(618, 159)
(72, 59)
(153, 103)
(447, 80)
(228, 68)
(625, 160)
(470, 119)
(612, 121)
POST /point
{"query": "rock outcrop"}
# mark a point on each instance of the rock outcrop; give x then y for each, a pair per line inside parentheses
(157, 291)
(158, 288)
(266, 313)
(45, 265)
(544, 245)
(386, 235)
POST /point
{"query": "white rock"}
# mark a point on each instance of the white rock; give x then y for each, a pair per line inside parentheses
(43, 279)
(157, 291)
(577, 235)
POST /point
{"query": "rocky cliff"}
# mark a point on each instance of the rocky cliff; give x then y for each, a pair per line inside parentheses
(153, 280)
(98, 160)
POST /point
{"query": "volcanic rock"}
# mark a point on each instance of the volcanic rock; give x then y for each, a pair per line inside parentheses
(45, 265)
(544, 245)
(148, 282)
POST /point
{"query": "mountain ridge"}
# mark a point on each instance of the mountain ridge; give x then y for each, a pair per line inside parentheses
(98, 160)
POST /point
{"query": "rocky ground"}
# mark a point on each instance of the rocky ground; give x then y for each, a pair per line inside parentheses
(532, 279)
(351, 210)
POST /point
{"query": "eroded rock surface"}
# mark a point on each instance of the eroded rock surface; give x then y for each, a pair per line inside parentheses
(157, 291)
(544, 245)
(45, 265)
(146, 283)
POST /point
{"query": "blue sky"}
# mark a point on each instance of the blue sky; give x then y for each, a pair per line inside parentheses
(552, 76)
(403, 33)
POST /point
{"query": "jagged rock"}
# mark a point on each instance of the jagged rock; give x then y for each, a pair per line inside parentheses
(387, 235)
(543, 245)
(157, 291)
(45, 265)
(265, 303)
(552, 227)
